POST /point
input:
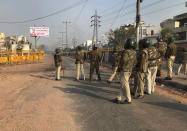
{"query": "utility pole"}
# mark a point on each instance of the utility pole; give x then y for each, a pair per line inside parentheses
(74, 41)
(66, 23)
(138, 22)
(95, 23)
(62, 37)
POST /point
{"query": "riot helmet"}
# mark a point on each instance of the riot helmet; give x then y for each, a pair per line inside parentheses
(130, 44)
(170, 39)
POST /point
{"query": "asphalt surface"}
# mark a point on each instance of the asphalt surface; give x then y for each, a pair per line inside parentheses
(95, 111)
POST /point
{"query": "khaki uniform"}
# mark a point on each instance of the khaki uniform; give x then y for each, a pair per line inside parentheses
(115, 66)
(185, 68)
(142, 68)
(181, 58)
(170, 55)
(79, 64)
(162, 47)
(58, 65)
(126, 65)
(94, 64)
(153, 60)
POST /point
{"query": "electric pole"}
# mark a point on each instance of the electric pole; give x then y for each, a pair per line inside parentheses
(138, 22)
(62, 37)
(74, 41)
(66, 24)
(95, 23)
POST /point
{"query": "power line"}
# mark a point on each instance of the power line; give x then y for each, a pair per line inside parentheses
(95, 24)
(123, 5)
(143, 8)
(155, 11)
(66, 24)
(115, 11)
(78, 16)
(49, 15)
(168, 7)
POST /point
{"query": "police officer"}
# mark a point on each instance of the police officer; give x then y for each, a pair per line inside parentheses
(162, 47)
(153, 61)
(182, 59)
(170, 56)
(141, 68)
(95, 60)
(79, 56)
(117, 57)
(126, 65)
(58, 62)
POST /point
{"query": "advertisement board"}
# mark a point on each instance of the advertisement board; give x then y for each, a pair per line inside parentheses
(39, 31)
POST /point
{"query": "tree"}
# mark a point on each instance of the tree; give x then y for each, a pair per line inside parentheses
(167, 32)
(119, 35)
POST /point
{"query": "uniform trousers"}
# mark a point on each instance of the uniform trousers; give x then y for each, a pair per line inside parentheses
(94, 66)
(125, 88)
(80, 68)
(140, 83)
(150, 79)
(180, 66)
(58, 69)
(170, 66)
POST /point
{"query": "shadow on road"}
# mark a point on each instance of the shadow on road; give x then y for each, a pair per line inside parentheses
(92, 88)
(82, 92)
(48, 77)
(174, 106)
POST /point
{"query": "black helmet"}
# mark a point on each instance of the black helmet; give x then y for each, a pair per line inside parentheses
(57, 50)
(130, 44)
(79, 48)
(159, 38)
(170, 39)
(94, 47)
(145, 43)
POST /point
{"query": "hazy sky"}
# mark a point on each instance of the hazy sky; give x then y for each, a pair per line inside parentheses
(113, 14)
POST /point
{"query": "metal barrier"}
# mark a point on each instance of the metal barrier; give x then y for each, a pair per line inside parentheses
(21, 57)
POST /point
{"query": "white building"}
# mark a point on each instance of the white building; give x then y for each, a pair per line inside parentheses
(149, 30)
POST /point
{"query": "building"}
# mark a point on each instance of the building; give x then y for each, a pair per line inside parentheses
(179, 25)
(149, 30)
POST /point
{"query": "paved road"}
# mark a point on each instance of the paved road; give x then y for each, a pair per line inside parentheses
(96, 112)
(31, 100)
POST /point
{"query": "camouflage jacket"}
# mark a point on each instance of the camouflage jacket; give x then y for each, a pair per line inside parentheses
(142, 61)
(128, 60)
(58, 59)
(153, 56)
(162, 47)
(171, 50)
(79, 56)
(95, 57)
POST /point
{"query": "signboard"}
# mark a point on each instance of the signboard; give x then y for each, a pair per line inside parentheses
(39, 31)
(2, 35)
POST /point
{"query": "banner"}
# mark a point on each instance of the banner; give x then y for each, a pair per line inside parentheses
(39, 31)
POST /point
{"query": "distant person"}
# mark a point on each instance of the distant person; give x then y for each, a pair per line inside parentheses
(162, 47)
(170, 56)
(58, 63)
(126, 65)
(182, 61)
(153, 61)
(95, 60)
(79, 56)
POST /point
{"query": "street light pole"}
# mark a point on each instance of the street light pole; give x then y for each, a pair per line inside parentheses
(138, 22)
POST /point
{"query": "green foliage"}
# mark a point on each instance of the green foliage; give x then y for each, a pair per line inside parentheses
(118, 36)
(167, 33)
